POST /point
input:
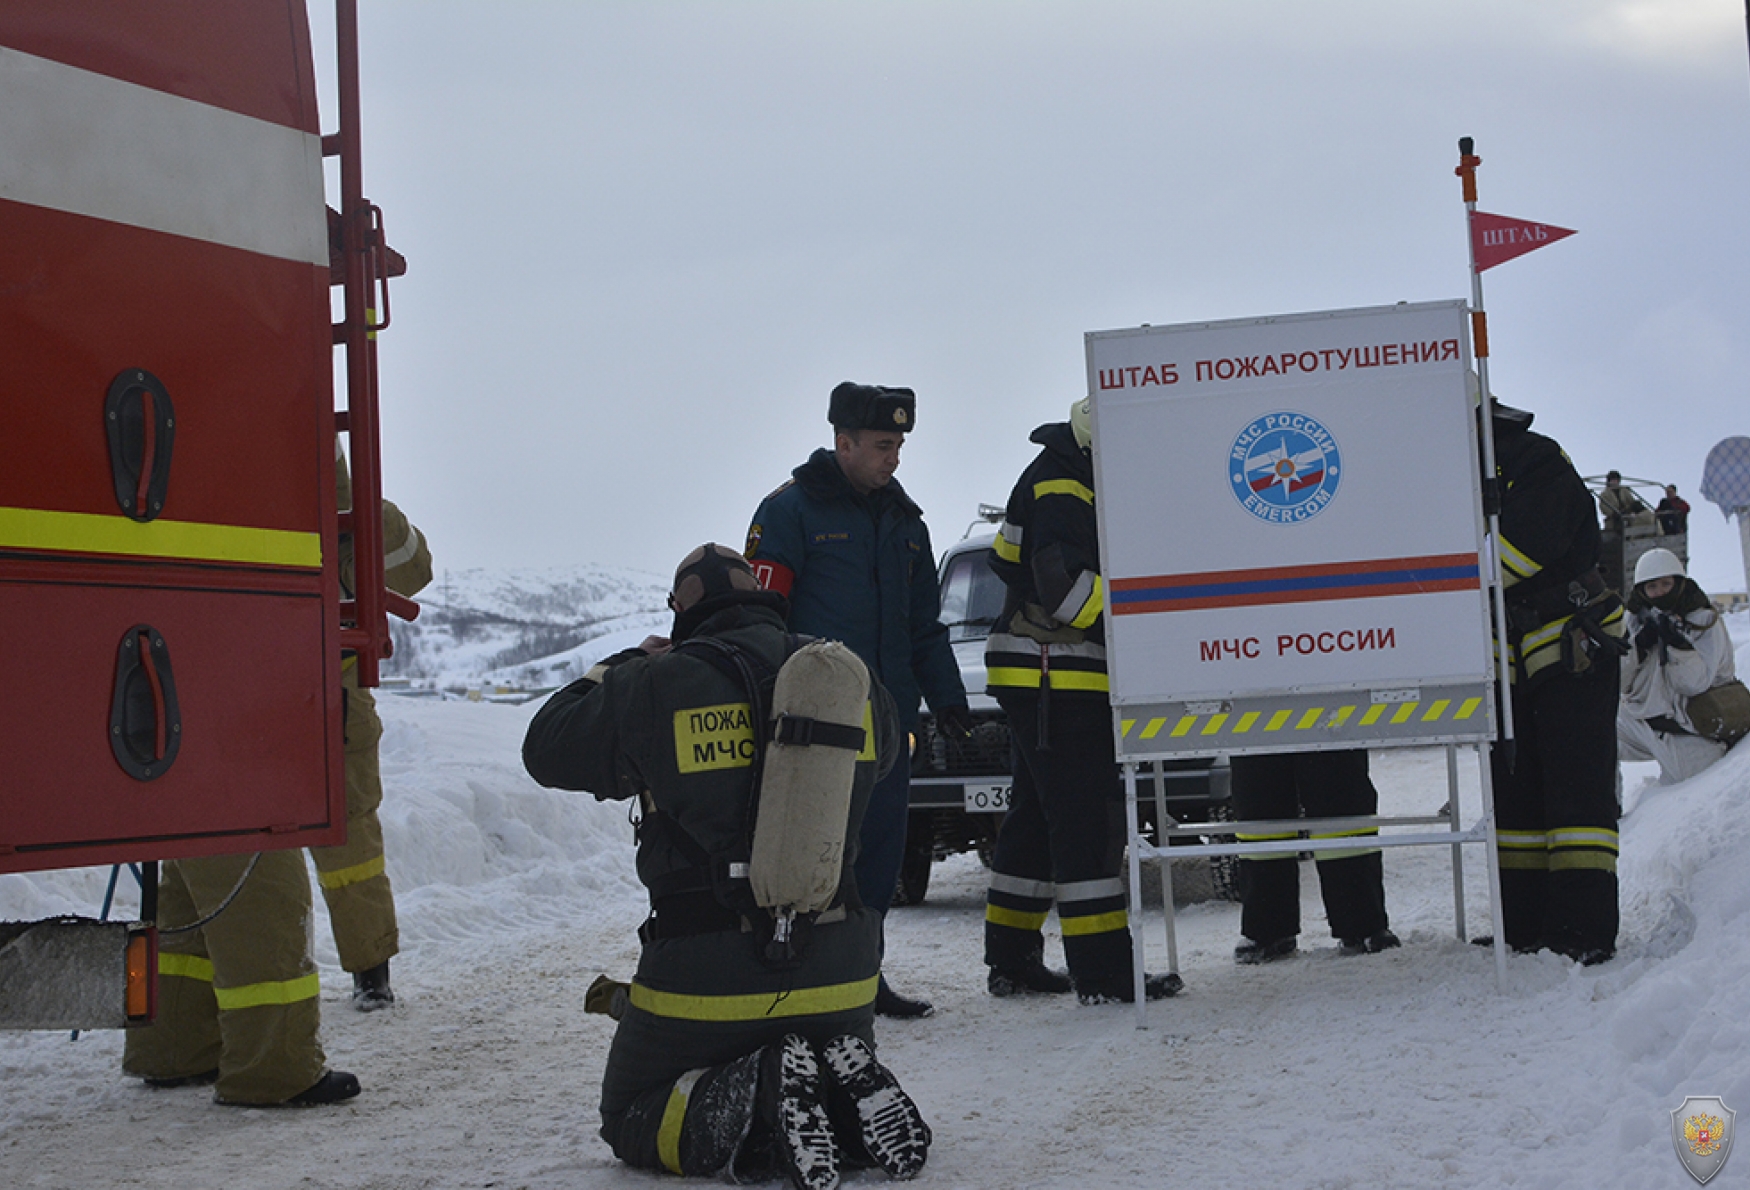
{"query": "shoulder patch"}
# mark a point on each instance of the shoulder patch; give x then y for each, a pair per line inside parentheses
(785, 486)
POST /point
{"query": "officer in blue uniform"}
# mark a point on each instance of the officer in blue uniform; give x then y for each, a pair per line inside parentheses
(849, 549)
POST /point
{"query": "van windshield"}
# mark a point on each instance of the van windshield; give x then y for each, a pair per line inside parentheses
(972, 595)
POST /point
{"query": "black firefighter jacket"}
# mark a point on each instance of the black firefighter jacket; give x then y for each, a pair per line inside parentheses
(1047, 552)
(674, 731)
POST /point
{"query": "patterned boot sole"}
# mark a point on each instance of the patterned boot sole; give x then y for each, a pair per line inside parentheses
(791, 1078)
(888, 1121)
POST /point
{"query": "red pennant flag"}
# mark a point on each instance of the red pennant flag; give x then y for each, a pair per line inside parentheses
(1496, 239)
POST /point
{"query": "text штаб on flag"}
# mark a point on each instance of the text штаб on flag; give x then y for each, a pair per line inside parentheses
(1496, 239)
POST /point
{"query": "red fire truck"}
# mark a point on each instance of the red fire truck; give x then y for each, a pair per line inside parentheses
(170, 607)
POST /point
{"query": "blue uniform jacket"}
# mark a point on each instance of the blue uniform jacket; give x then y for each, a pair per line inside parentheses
(859, 569)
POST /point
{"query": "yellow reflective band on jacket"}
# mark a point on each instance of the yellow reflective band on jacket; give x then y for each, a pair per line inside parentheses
(757, 1006)
(1515, 565)
(1582, 848)
(1015, 919)
(1097, 923)
(269, 993)
(1061, 679)
(1092, 606)
(1063, 487)
(674, 1115)
(187, 966)
(1008, 542)
(183, 541)
(1541, 648)
(357, 874)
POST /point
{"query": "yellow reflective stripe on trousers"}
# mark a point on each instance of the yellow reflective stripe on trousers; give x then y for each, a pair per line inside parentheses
(272, 992)
(1523, 851)
(1582, 849)
(1268, 855)
(188, 966)
(1015, 919)
(1345, 852)
(357, 874)
(1098, 923)
(89, 533)
(757, 1006)
(674, 1115)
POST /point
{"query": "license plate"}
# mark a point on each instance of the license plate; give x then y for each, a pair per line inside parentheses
(988, 799)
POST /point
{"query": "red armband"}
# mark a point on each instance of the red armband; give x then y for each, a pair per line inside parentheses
(773, 576)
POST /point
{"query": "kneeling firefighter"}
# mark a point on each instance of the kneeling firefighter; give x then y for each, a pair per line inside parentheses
(745, 1042)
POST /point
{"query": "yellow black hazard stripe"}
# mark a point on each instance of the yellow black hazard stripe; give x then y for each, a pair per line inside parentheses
(1291, 719)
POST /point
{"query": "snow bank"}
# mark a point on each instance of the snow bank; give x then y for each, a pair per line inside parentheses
(1410, 1068)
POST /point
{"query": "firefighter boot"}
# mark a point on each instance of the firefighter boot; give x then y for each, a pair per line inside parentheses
(792, 1105)
(875, 1117)
(1154, 987)
(1030, 976)
(370, 988)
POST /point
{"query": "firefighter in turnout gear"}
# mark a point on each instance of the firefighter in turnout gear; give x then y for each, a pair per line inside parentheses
(352, 875)
(1062, 840)
(237, 996)
(848, 548)
(742, 1047)
(1555, 788)
(1351, 879)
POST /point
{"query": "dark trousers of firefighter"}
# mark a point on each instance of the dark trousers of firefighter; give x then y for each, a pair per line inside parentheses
(1323, 785)
(1062, 841)
(352, 875)
(881, 842)
(239, 995)
(1555, 813)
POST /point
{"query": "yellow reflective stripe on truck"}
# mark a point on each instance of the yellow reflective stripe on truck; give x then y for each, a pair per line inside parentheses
(187, 541)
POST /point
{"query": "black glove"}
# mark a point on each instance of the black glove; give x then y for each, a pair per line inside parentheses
(1647, 636)
(956, 722)
(1671, 632)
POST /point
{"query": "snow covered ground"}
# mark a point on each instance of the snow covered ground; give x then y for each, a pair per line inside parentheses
(1410, 1068)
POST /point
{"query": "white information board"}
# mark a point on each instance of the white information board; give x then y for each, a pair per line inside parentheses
(1291, 532)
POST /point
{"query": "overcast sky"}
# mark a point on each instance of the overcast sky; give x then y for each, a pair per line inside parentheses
(647, 238)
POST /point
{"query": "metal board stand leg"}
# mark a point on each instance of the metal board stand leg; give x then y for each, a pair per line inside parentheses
(1134, 834)
(1453, 815)
(1486, 776)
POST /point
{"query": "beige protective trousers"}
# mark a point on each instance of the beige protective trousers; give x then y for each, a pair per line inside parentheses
(354, 881)
(238, 995)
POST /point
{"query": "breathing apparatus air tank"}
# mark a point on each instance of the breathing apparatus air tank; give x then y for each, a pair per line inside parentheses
(819, 703)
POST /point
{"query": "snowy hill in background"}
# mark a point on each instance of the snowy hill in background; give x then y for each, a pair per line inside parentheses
(531, 629)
